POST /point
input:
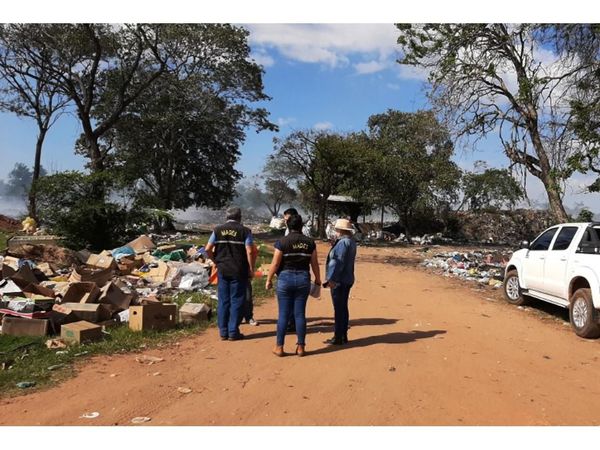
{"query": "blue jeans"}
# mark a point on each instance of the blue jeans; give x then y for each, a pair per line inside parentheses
(293, 287)
(340, 295)
(231, 293)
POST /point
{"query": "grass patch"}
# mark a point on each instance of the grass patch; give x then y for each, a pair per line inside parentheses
(30, 360)
(198, 242)
(4, 235)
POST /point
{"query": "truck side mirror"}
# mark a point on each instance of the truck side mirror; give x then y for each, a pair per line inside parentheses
(524, 244)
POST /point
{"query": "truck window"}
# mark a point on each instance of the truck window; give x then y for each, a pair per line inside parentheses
(543, 242)
(564, 238)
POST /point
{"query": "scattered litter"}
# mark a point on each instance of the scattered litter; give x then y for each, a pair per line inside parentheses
(140, 419)
(155, 374)
(25, 384)
(90, 415)
(392, 369)
(146, 359)
(55, 343)
(184, 390)
(81, 353)
(113, 375)
(55, 366)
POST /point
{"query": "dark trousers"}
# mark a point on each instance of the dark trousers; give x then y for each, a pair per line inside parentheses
(248, 312)
(232, 294)
(339, 296)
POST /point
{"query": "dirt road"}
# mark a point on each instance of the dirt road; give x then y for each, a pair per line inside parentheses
(424, 350)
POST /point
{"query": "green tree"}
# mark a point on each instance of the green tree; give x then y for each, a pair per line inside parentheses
(278, 189)
(20, 180)
(68, 207)
(489, 78)
(410, 165)
(585, 215)
(318, 162)
(179, 143)
(495, 188)
(28, 92)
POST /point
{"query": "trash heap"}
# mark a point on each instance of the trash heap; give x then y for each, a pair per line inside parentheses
(48, 290)
(480, 266)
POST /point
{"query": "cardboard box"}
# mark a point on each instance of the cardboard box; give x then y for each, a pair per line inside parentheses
(194, 312)
(142, 244)
(128, 264)
(101, 261)
(92, 312)
(38, 291)
(158, 274)
(10, 288)
(58, 319)
(17, 326)
(111, 294)
(85, 292)
(47, 269)
(82, 331)
(153, 317)
(6, 271)
(26, 273)
(95, 275)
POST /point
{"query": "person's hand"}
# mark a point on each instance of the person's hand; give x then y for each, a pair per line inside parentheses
(250, 275)
(318, 281)
(268, 284)
(331, 284)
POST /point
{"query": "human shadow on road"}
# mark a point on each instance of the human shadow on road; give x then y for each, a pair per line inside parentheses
(323, 324)
(390, 338)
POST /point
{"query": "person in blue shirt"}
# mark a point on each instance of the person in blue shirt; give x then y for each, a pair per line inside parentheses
(340, 278)
(230, 248)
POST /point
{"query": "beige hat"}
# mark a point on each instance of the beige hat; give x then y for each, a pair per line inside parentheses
(343, 224)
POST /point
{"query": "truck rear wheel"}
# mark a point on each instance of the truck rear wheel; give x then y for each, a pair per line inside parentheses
(583, 315)
(512, 289)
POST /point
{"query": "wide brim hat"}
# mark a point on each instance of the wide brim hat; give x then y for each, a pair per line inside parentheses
(343, 224)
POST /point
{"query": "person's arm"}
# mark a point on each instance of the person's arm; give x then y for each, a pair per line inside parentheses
(210, 246)
(314, 264)
(249, 254)
(277, 258)
(336, 264)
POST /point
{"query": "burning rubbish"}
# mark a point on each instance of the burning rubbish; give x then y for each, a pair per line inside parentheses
(75, 296)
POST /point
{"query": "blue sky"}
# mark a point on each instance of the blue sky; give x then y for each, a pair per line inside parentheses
(327, 76)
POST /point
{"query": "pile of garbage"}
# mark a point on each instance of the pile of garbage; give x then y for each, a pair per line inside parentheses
(480, 266)
(51, 290)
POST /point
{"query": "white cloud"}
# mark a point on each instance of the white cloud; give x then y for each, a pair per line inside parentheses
(328, 44)
(285, 121)
(370, 67)
(263, 58)
(321, 126)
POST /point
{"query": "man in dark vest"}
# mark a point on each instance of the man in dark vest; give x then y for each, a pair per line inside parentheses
(230, 248)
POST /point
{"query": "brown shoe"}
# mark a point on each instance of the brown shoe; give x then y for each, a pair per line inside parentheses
(300, 350)
(278, 350)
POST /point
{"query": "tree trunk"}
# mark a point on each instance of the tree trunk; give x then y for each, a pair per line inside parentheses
(322, 217)
(552, 188)
(32, 208)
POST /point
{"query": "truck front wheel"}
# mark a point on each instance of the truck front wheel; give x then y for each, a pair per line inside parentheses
(582, 314)
(512, 289)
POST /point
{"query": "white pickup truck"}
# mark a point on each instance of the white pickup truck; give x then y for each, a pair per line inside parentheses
(561, 266)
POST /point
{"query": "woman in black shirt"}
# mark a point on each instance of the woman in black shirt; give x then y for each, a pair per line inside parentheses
(294, 255)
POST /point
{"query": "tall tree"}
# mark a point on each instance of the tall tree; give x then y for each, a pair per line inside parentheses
(34, 96)
(491, 188)
(495, 78)
(179, 142)
(278, 188)
(20, 180)
(411, 163)
(319, 162)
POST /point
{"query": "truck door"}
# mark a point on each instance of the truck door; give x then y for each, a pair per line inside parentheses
(555, 267)
(533, 263)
